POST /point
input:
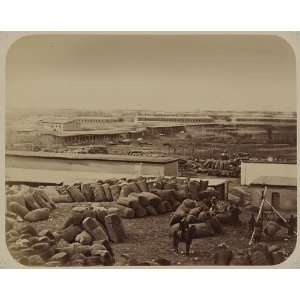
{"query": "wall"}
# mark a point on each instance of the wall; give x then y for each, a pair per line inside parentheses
(288, 196)
(251, 171)
(89, 165)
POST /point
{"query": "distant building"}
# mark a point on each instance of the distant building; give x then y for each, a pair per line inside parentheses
(174, 119)
(281, 191)
(251, 170)
(60, 125)
(97, 122)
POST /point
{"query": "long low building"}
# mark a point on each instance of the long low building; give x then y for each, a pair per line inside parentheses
(97, 163)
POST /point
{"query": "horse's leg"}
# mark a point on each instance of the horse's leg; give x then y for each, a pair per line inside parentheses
(175, 242)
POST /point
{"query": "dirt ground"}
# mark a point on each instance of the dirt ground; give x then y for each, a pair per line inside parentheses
(148, 239)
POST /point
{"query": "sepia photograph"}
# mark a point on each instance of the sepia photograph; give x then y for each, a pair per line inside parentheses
(149, 149)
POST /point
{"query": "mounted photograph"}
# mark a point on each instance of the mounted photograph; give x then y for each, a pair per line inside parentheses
(149, 149)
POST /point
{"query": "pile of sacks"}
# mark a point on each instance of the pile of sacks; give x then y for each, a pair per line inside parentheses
(258, 255)
(134, 197)
(30, 204)
(196, 213)
(84, 240)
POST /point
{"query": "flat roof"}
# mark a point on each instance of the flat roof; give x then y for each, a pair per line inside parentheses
(20, 175)
(275, 181)
(269, 162)
(90, 132)
(106, 157)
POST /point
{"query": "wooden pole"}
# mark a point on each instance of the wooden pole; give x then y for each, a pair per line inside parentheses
(259, 214)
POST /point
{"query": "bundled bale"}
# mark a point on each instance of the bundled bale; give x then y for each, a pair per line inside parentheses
(195, 211)
(203, 185)
(19, 209)
(30, 202)
(191, 219)
(143, 185)
(150, 198)
(180, 195)
(20, 199)
(194, 189)
(87, 191)
(167, 206)
(84, 238)
(99, 213)
(204, 216)
(259, 255)
(126, 212)
(69, 233)
(161, 209)
(99, 193)
(94, 228)
(151, 211)
(107, 192)
(115, 191)
(115, 228)
(42, 199)
(144, 201)
(271, 228)
(140, 211)
(188, 203)
(125, 191)
(75, 194)
(215, 225)
(202, 230)
(241, 258)
(62, 199)
(37, 215)
(134, 187)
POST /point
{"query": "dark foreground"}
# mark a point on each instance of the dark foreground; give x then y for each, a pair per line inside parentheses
(148, 240)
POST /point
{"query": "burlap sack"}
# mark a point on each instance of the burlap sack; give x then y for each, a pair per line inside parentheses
(87, 191)
(107, 192)
(160, 208)
(94, 228)
(126, 212)
(202, 230)
(195, 211)
(99, 193)
(30, 202)
(143, 185)
(140, 211)
(203, 185)
(144, 201)
(240, 259)
(115, 191)
(194, 189)
(37, 215)
(40, 200)
(215, 225)
(271, 228)
(125, 190)
(84, 238)
(19, 209)
(151, 211)
(192, 219)
(167, 206)
(203, 216)
(180, 195)
(188, 203)
(115, 228)
(62, 199)
(76, 194)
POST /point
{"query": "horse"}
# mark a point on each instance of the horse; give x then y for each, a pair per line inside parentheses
(185, 236)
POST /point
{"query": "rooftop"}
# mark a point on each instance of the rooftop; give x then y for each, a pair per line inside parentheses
(275, 181)
(107, 157)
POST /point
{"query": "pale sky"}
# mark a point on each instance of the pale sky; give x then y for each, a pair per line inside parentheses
(161, 72)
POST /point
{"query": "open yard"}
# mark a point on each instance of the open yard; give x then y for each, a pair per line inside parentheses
(148, 239)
